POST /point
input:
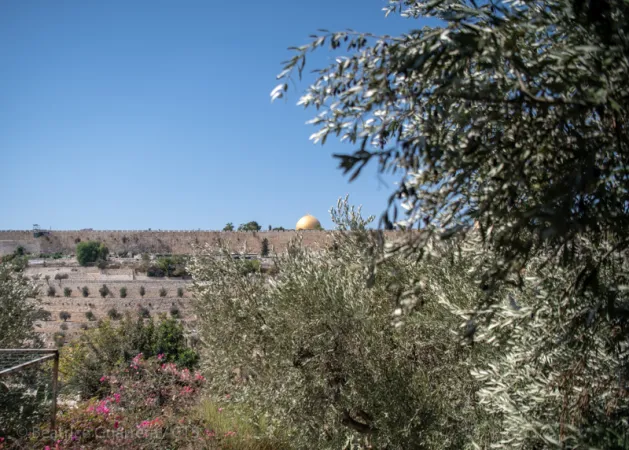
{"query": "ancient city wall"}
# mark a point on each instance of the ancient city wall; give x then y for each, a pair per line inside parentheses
(172, 242)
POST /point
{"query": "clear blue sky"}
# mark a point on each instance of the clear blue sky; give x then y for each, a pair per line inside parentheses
(136, 114)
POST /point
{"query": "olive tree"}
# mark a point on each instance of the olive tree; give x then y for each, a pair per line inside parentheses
(313, 351)
(507, 123)
(20, 309)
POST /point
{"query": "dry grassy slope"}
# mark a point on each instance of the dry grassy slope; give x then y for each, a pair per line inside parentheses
(94, 278)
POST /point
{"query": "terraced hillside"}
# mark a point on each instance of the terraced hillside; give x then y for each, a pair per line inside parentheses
(160, 294)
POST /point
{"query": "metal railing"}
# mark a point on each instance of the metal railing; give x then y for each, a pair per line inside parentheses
(17, 359)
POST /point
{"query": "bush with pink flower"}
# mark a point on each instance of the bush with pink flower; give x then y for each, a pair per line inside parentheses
(147, 405)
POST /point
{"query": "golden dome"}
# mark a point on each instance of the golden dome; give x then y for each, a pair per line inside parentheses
(308, 222)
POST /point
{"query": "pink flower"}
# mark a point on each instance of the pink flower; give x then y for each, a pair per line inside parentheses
(199, 377)
(187, 390)
(47, 447)
(210, 433)
(160, 356)
(150, 423)
(104, 378)
(220, 409)
(116, 425)
(230, 433)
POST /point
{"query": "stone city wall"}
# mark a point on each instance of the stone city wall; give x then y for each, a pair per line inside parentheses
(163, 242)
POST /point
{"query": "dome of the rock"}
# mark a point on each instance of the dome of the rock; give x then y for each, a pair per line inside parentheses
(308, 222)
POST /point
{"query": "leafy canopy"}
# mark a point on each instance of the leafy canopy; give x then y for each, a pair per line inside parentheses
(249, 226)
(90, 251)
(507, 123)
(511, 115)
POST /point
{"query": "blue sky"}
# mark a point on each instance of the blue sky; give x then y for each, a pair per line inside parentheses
(144, 114)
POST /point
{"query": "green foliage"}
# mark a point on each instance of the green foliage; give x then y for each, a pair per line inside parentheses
(314, 349)
(146, 397)
(100, 350)
(62, 276)
(89, 315)
(163, 292)
(19, 263)
(59, 338)
(264, 252)
(67, 292)
(85, 291)
(170, 266)
(228, 227)
(507, 121)
(180, 292)
(51, 291)
(64, 315)
(142, 291)
(248, 266)
(144, 312)
(44, 315)
(64, 326)
(104, 291)
(20, 309)
(174, 312)
(123, 292)
(90, 251)
(113, 314)
(249, 226)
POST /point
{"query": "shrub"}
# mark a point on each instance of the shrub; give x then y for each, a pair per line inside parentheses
(64, 315)
(249, 226)
(146, 397)
(123, 292)
(59, 338)
(179, 292)
(163, 292)
(44, 315)
(170, 266)
(144, 312)
(264, 252)
(101, 349)
(64, 326)
(67, 292)
(324, 334)
(104, 291)
(61, 276)
(155, 271)
(248, 266)
(142, 291)
(90, 252)
(89, 315)
(174, 312)
(20, 308)
(85, 291)
(51, 291)
(113, 314)
(102, 264)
